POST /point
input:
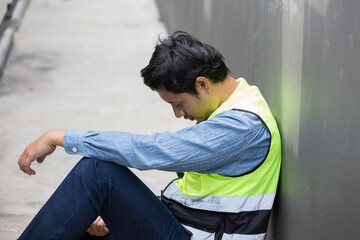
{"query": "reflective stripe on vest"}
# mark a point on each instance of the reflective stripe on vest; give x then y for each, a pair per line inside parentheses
(230, 207)
(232, 204)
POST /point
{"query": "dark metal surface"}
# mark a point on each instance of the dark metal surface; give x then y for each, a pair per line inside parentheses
(305, 57)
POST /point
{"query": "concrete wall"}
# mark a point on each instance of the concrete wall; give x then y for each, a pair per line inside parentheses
(305, 57)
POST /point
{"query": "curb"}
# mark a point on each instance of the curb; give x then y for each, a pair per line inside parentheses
(5, 47)
(15, 14)
(9, 25)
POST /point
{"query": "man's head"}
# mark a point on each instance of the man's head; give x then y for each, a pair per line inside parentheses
(178, 60)
(188, 74)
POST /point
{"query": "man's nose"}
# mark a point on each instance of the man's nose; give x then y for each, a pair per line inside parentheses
(178, 112)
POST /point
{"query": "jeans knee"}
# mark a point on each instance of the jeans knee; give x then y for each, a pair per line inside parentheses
(100, 170)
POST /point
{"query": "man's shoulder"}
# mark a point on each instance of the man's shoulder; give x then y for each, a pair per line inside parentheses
(239, 117)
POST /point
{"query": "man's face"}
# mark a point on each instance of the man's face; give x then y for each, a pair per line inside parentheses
(192, 107)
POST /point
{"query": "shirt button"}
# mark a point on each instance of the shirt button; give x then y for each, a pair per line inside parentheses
(74, 149)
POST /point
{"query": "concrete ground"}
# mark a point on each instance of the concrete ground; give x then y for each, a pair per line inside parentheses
(74, 65)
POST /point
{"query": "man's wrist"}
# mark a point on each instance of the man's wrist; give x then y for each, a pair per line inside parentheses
(56, 137)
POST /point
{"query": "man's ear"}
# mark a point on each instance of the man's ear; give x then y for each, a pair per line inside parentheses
(202, 85)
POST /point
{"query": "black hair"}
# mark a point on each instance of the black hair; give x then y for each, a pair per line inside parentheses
(178, 60)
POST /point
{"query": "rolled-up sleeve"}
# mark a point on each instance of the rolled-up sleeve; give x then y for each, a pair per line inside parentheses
(231, 143)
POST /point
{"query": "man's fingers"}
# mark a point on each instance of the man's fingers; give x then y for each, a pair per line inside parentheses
(27, 169)
(98, 228)
(97, 220)
(91, 231)
(25, 162)
(31, 172)
(101, 228)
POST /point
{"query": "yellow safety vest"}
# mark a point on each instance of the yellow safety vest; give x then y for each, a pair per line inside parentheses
(213, 206)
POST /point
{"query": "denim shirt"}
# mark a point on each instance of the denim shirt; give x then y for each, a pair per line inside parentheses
(230, 143)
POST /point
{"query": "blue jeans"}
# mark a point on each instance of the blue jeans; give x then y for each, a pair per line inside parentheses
(95, 187)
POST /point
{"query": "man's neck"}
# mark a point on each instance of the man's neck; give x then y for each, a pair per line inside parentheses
(227, 88)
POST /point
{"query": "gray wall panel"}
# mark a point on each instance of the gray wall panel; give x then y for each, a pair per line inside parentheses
(305, 57)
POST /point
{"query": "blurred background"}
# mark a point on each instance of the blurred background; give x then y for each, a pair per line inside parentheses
(74, 64)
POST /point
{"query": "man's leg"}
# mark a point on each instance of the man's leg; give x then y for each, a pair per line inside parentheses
(95, 187)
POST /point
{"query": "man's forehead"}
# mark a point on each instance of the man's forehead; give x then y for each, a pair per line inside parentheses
(170, 97)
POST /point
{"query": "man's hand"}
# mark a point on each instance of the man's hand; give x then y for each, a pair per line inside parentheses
(39, 149)
(98, 228)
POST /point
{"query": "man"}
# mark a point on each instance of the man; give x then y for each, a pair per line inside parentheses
(231, 160)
